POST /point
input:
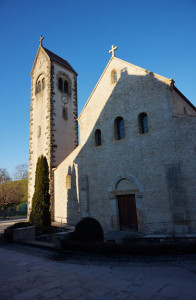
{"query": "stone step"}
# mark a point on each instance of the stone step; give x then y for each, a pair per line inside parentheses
(39, 244)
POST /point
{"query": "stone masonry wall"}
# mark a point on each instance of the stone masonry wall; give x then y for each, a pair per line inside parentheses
(51, 134)
(141, 159)
(67, 212)
(180, 106)
(39, 142)
(64, 131)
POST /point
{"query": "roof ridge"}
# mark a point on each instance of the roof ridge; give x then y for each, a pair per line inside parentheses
(140, 68)
(95, 87)
(59, 60)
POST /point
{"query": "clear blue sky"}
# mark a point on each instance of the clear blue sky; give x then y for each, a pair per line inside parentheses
(158, 35)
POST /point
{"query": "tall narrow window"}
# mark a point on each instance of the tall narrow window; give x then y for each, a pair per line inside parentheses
(39, 86)
(60, 84)
(119, 128)
(114, 76)
(39, 131)
(43, 83)
(65, 113)
(143, 122)
(65, 86)
(98, 140)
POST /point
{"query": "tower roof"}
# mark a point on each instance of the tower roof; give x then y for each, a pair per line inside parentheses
(59, 60)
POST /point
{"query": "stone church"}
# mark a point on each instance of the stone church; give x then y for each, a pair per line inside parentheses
(135, 167)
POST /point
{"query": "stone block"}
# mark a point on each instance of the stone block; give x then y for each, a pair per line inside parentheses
(25, 233)
(61, 236)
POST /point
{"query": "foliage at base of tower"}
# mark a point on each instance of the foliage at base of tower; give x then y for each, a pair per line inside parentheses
(40, 213)
(88, 230)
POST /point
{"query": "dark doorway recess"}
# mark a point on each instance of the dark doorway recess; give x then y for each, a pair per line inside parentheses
(127, 213)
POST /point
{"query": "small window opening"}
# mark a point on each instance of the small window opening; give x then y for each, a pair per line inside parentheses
(39, 131)
(39, 86)
(60, 84)
(98, 140)
(119, 128)
(65, 113)
(185, 111)
(65, 86)
(68, 181)
(143, 123)
(43, 83)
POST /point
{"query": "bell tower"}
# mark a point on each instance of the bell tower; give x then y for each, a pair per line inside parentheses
(53, 115)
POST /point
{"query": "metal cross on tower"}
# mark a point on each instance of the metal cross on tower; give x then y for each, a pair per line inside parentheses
(112, 50)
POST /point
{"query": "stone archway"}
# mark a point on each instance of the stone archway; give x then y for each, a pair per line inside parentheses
(124, 190)
(127, 179)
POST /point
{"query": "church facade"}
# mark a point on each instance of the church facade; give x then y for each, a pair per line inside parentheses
(135, 167)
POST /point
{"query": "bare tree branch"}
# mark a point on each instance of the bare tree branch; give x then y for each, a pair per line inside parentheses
(4, 176)
(21, 172)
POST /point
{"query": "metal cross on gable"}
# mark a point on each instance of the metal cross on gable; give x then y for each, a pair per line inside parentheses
(112, 50)
(41, 39)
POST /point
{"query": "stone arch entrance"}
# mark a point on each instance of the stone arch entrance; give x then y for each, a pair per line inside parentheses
(126, 189)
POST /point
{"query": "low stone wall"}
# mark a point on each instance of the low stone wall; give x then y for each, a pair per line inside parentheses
(25, 233)
(61, 236)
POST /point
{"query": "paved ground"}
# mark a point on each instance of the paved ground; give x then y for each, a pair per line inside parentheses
(31, 273)
(28, 273)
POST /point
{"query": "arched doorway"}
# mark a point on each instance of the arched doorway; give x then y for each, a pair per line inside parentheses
(124, 191)
(126, 188)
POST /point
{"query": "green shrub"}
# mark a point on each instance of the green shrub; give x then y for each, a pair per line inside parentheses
(8, 232)
(40, 213)
(88, 230)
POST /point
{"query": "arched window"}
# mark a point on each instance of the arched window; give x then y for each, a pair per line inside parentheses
(43, 83)
(66, 86)
(40, 84)
(119, 128)
(143, 122)
(114, 76)
(98, 140)
(60, 83)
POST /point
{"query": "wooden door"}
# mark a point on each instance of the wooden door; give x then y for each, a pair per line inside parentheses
(127, 213)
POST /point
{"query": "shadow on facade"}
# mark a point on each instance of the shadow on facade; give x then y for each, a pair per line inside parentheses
(135, 154)
(72, 204)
